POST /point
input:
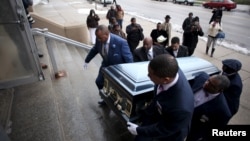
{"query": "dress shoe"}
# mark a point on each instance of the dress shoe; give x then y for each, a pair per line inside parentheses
(101, 102)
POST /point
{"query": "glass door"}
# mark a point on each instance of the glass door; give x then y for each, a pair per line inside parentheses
(19, 62)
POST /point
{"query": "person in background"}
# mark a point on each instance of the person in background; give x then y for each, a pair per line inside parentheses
(211, 110)
(230, 68)
(119, 15)
(111, 13)
(148, 51)
(155, 33)
(214, 28)
(113, 50)
(27, 4)
(92, 23)
(167, 27)
(217, 12)
(187, 22)
(168, 116)
(114, 2)
(191, 34)
(118, 31)
(176, 49)
(112, 23)
(134, 32)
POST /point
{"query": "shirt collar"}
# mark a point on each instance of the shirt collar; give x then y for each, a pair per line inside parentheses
(150, 50)
(167, 86)
(108, 41)
(211, 95)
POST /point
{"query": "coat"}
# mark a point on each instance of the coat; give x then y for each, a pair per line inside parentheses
(212, 114)
(92, 21)
(118, 52)
(182, 51)
(233, 93)
(140, 54)
(168, 116)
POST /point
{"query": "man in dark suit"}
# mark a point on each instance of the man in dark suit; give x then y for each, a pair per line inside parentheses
(156, 33)
(190, 35)
(211, 109)
(148, 51)
(113, 49)
(168, 116)
(176, 49)
(230, 69)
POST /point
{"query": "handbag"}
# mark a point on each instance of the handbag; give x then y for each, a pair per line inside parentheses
(220, 34)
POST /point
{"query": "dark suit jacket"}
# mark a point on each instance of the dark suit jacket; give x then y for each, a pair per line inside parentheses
(169, 115)
(140, 54)
(182, 52)
(118, 52)
(212, 114)
(233, 92)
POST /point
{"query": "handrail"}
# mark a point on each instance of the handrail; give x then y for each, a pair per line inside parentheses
(44, 32)
(48, 36)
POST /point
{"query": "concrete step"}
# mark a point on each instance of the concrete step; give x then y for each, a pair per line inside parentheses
(66, 108)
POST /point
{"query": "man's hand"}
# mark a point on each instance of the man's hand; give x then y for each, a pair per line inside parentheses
(85, 66)
(132, 128)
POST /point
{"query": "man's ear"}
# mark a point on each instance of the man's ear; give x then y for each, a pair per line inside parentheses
(166, 80)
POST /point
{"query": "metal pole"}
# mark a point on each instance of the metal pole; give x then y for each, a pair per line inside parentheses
(51, 54)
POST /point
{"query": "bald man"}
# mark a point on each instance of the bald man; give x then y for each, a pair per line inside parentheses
(148, 51)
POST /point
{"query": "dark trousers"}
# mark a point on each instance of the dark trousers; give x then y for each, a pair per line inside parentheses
(99, 80)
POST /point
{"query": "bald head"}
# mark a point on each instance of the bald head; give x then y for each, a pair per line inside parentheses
(147, 43)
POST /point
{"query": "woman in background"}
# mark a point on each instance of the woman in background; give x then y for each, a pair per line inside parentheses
(92, 23)
(214, 28)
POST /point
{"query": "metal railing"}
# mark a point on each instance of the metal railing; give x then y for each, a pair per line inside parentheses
(51, 36)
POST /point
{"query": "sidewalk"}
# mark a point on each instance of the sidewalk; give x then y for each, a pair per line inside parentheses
(74, 11)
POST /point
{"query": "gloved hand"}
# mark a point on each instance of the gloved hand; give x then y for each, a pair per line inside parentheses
(85, 66)
(132, 128)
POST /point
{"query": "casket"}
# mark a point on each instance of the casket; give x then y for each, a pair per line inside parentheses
(128, 90)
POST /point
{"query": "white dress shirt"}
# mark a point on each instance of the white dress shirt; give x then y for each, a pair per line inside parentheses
(201, 97)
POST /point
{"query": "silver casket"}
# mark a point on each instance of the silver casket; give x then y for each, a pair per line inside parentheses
(128, 89)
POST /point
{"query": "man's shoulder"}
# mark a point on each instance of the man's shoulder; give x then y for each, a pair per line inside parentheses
(183, 47)
(115, 37)
(138, 49)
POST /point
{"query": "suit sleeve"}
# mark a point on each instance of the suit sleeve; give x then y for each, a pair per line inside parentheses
(165, 127)
(199, 80)
(126, 53)
(92, 53)
(136, 56)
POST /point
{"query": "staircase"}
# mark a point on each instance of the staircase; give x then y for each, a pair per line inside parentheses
(64, 109)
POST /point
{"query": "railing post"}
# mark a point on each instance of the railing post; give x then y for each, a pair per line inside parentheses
(52, 57)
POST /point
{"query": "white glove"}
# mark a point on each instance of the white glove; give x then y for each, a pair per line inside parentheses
(132, 128)
(85, 66)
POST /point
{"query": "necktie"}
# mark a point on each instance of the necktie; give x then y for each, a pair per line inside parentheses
(160, 89)
(149, 56)
(104, 50)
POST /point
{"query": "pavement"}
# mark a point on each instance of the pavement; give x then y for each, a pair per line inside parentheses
(68, 12)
